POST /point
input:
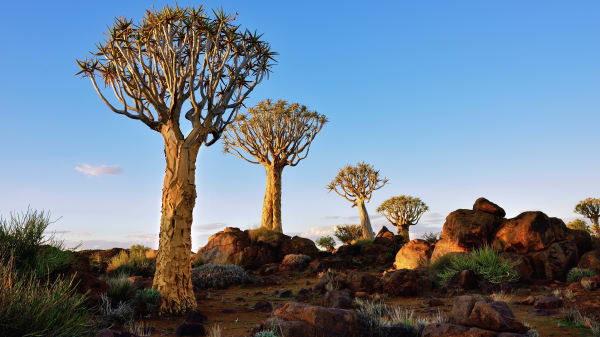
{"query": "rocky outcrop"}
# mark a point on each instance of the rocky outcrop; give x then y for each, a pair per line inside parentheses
(406, 282)
(484, 205)
(253, 248)
(590, 260)
(414, 254)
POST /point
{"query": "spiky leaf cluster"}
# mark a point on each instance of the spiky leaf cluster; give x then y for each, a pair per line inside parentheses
(403, 210)
(589, 208)
(356, 183)
(273, 133)
(175, 58)
(579, 225)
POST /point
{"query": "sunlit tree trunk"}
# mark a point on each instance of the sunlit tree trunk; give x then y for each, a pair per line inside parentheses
(271, 214)
(595, 227)
(403, 232)
(364, 220)
(173, 263)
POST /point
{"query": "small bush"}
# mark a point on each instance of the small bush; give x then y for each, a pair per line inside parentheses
(140, 329)
(485, 262)
(436, 268)
(120, 312)
(348, 233)
(120, 289)
(588, 285)
(147, 301)
(326, 242)
(501, 297)
(22, 235)
(32, 307)
(51, 259)
(134, 262)
(576, 274)
(266, 333)
(214, 276)
(295, 260)
(215, 331)
(431, 237)
(263, 234)
(363, 242)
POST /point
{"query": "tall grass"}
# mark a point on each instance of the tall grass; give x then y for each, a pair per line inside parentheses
(135, 261)
(485, 262)
(33, 307)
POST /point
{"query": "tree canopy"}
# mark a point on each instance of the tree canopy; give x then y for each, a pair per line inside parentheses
(357, 183)
(590, 208)
(403, 210)
(579, 225)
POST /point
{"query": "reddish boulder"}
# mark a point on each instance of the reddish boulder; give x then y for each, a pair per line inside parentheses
(529, 232)
(484, 205)
(363, 282)
(555, 262)
(338, 299)
(299, 245)
(521, 263)
(444, 247)
(385, 233)
(590, 260)
(547, 302)
(475, 311)
(405, 282)
(414, 254)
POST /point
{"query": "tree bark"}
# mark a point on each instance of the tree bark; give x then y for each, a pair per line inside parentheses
(595, 227)
(271, 213)
(173, 263)
(403, 232)
(364, 220)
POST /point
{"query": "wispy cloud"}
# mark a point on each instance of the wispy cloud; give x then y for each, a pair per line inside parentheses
(95, 171)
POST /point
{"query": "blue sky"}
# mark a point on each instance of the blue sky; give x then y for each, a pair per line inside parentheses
(450, 100)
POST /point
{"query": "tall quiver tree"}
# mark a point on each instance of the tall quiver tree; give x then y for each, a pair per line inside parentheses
(590, 208)
(276, 135)
(178, 63)
(356, 184)
(403, 211)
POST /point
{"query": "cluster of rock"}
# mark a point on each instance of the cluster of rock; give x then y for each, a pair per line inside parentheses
(539, 246)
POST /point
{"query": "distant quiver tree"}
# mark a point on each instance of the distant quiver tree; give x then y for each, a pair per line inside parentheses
(403, 211)
(590, 208)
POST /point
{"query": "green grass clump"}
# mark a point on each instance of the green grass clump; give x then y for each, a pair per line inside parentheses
(120, 289)
(263, 234)
(214, 276)
(326, 242)
(32, 307)
(485, 262)
(134, 262)
(576, 274)
(147, 301)
(348, 233)
(363, 242)
(266, 333)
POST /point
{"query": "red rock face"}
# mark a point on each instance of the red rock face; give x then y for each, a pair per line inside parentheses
(528, 232)
(414, 254)
(405, 282)
(484, 205)
(475, 311)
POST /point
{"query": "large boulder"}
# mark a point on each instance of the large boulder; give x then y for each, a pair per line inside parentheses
(298, 319)
(590, 260)
(475, 311)
(484, 205)
(253, 248)
(414, 254)
(406, 282)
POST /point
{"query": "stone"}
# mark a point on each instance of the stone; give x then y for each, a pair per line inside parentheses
(338, 299)
(414, 254)
(363, 282)
(547, 302)
(190, 329)
(590, 260)
(295, 262)
(475, 311)
(196, 317)
(405, 282)
(590, 283)
(263, 306)
(529, 232)
(484, 205)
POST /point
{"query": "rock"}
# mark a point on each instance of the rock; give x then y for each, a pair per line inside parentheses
(114, 333)
(414, 254)
(338, 299)
(547, 302)
(583, 240)
(285, 294)
(555, 262)
(529, 300)
(299, 319)
(590, 283)
(529, 232)
(263, 306)
(299, 245)
(521, 264)
(484, 205)
(465, 230)
(385, 233)
(466, 279)
(590, 260)
(190, 329)
(141, 282)
(303, 295)
(295, 262)
(196, 317)
(435, 302)
(475, 311)
(405, 282)
(363, 282)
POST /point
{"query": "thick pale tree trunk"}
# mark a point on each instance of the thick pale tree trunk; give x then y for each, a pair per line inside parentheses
(173, 263)
(271, 213)
(595, 227)
(364, 220)
(403, 232)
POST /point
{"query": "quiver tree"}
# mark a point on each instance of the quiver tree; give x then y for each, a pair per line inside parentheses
(403, 211)
(590, 208)
(177, 65)
(356, 184)
(275, 135)
(579, 225)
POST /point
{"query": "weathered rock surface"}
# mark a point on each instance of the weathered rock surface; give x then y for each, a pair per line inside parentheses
(406, 282)
(414, 254)
(484, 205)
(590, 260)
(475, 311)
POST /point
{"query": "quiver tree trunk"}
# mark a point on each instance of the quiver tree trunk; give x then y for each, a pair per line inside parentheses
(173, 263)
(595, 227)
(403, 232)
(271, 213)
(364, 220)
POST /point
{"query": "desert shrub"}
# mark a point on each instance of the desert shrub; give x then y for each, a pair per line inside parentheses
(326, 242)
(140, 328)
(384, 320)
(119, 312)
(214, 276)
(147, 301)
(134, 262)
(295, 260)
(363, 242)
(51, 259)
(120, 289)
(347, 233)
(436, 268)
(33, 307)
(501, 297)
(576, 274)
(197, 262)
(588, 284)
(263, 234)
(215, 331)
(266, 333)
(431, 237)
(485, 262)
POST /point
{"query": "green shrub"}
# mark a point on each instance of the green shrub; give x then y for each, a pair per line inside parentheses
(431, 237)
(576, 274)
(266, 333)
(326, 242)
(436, 268)
(120, 289)
(214, 276)
(147, 301)
(347, 233)
(134, 262)
(51, 259)
(485, 262)
(32, 307)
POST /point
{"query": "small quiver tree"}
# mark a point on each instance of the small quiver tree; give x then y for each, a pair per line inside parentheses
(178, 64)
(579, 225)
(356, 184)
(403, 211)
(590, 208)
(275, 135)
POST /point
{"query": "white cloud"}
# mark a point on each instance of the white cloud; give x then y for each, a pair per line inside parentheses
(318, 231)
(95, 171)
